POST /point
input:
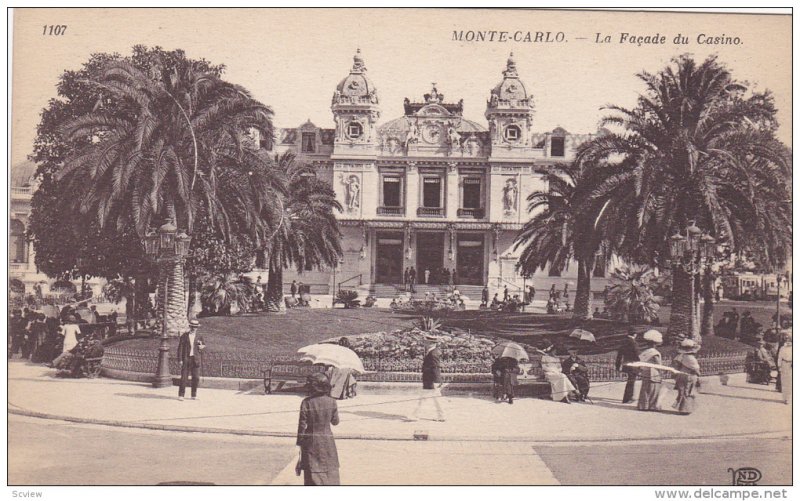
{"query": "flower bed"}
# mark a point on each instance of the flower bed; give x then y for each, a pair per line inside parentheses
(425, 307)
(403, 350)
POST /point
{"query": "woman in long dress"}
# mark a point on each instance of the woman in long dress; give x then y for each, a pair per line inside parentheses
(686, 380)
(319, 460)
(560, 385)
(651, 378)
(785, 365)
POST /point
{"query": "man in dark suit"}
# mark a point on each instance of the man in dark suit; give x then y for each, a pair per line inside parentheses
(190, 347)
(627, 353)
(431, 379)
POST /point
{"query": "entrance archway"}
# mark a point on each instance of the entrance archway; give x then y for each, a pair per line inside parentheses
(389, 258)
(470, 259)
(430, 256)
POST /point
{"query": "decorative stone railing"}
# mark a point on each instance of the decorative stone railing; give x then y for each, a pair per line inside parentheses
(122, 361)
(391, 211)
(430, 211)
(471, 213)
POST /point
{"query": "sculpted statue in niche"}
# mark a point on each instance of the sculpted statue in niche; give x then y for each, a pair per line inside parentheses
(510, 196)
(352, 190)
(413, 134)
(393, 145)
(473, 147)
(453, 138)
(373, 96)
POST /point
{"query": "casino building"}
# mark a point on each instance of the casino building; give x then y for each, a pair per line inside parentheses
(431, 189)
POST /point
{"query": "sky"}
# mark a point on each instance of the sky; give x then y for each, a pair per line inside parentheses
(293, 59)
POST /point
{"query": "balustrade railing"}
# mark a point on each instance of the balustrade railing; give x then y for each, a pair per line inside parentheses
(430, 212)
(471, 213)
(391, 211)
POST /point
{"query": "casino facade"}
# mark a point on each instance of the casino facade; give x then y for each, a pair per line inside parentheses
(431, 189)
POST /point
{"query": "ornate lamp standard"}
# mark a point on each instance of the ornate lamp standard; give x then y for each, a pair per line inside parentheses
(690, 254)
(167, 247)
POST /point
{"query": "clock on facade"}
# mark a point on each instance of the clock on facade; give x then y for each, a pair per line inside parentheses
(354, 130)
(431, 133)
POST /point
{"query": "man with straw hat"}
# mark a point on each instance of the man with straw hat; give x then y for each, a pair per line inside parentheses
(190, 348)
(431, 379)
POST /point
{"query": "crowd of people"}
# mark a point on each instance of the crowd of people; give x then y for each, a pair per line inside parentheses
(55, 341)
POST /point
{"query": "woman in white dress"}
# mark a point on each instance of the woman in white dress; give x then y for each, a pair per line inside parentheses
(785, 366)
(560, 385)
(651, 378)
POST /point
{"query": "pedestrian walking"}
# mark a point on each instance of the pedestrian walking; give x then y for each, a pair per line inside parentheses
(485, 294)
(531, 293)
(319, 459)
(431, 380)
(293, 289)
(413, 278)
(628, 353)
(651, 377)
(785, 366)
(688, 378)
(427, 276)
(505, 294)
(190, 348)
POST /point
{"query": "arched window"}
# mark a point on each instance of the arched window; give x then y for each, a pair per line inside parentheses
(17, 245)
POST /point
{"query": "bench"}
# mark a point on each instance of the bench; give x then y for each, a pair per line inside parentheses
(288, 372)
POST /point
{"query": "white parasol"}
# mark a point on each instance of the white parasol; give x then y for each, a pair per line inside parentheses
(332, 354)
(653, 366)
(509, 349)
(583, 335)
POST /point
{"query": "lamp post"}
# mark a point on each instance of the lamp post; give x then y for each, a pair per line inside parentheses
(778, 299)
(166, 247)
(333, 293)
(690, 254)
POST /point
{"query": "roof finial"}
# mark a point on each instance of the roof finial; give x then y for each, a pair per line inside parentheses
(511, 66)
(358, 62)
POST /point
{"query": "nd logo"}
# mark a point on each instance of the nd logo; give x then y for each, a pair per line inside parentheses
(745, 476)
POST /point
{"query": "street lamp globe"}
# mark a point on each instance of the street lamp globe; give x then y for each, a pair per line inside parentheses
(677, 246)
(707, 246)
(167, 234)
(693, 235)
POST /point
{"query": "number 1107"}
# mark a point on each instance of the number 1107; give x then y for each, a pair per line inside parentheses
(54, 29)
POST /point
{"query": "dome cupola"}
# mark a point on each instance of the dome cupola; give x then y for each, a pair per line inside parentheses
(356, 86)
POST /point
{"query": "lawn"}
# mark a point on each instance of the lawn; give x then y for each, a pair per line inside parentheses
(266, 335)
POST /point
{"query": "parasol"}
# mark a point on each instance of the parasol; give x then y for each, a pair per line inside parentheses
(332, 354)
(583, 335)
(653, 366)
(510, 350)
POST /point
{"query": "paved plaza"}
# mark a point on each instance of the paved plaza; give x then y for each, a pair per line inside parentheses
(482, 442)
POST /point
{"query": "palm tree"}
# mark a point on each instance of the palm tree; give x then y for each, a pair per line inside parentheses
(159, 149)
(699, 146)
(559, 232)
(306, 231)
(630, 296)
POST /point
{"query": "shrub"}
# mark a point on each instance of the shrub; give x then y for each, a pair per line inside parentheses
(631, 298)
(347, 297)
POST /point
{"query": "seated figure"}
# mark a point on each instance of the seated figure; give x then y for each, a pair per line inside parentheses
(560, 385)
(577, 373)
(760, 364)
